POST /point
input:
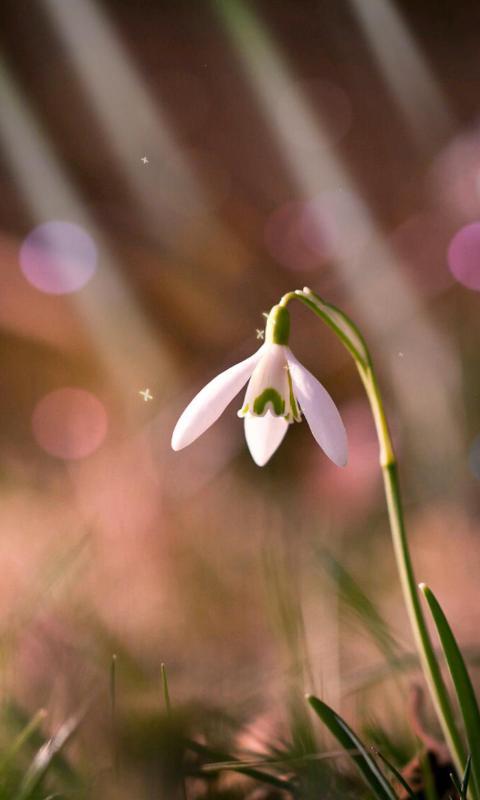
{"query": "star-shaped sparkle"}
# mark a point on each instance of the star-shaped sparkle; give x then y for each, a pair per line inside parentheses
(146, 394)
(260, 333)
(144, 160)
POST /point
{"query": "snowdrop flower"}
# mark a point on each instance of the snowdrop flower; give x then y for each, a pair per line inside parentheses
(279, 390)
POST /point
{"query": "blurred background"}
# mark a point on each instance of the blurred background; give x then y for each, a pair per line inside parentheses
(168, 169)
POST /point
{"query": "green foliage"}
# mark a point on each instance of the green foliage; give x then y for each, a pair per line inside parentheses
(398, 775)
(367, 765)
(464, 691)
(462, 787)
(165, 689)
(43, 759)
(32, 766)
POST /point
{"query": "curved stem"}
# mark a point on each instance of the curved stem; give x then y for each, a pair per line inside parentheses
(408, 582)
(388, 463)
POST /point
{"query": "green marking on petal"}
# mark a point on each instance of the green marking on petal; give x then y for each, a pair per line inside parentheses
(269, 396)
(293, 403)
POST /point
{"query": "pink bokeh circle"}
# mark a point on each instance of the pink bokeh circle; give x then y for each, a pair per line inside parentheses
(464, 256)
(58, 257)
(69, 423)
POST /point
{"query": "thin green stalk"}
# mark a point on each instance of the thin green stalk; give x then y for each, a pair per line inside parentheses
(168, 710)
(431, 668)
(346, 330)
(425, 649)
(165, 689)
(113, 714)
(30, 728)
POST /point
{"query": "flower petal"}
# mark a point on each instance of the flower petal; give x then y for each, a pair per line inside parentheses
(264, 435)
(320, 412)
(268, 387)
(211, 401)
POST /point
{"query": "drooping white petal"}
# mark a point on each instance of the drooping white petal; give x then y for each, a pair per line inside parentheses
(264, 435)
(320, 412)
(211, 401)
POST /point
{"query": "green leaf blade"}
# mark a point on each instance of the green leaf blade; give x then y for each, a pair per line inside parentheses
(45, 756)
(397, 774)
(466, 777)
(365, 762)
(467, 700)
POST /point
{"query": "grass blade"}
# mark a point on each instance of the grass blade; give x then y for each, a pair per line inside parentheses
(462, 788)
(113, 714)
(350, 741)
(397, 774)
(456, 783)
(235, 765)
(30, 728)
(462, 684)
(466, 778)
(165, 689)
(44, 757)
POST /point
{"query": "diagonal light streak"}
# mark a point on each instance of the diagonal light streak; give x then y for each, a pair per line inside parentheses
(176, 206)
(118, 330)
(405, 70)
(122, 103)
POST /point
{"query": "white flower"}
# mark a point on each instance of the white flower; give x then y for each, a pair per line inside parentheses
(280, 389)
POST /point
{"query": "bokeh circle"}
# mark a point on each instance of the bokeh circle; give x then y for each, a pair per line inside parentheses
(58, 257)
(69, 423)
(464, 256)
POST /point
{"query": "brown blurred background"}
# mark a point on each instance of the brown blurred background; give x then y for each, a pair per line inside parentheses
(333, 144)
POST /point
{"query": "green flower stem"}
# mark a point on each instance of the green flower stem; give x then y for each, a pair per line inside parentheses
(351, 337)
(427, 654)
